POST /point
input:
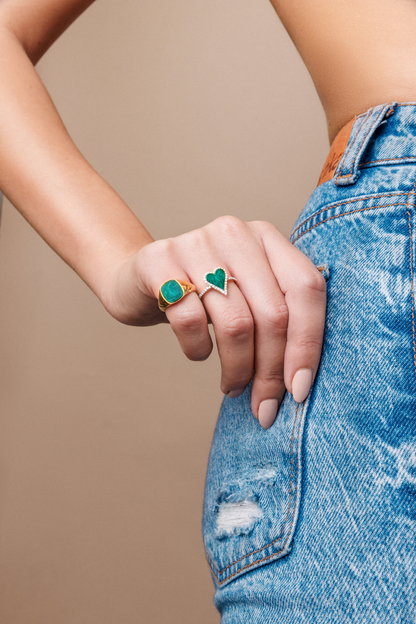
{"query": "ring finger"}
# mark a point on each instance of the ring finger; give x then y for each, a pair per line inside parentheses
(234, 332)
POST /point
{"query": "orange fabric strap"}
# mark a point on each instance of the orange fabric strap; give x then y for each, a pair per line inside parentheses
(336, 152)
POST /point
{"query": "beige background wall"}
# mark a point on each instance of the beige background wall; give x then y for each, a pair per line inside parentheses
(191, 110)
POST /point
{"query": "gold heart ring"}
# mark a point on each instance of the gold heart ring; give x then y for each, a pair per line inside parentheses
(217, 280)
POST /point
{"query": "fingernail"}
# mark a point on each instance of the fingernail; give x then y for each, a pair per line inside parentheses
(233, 394)
(301, 384)
(268, 412)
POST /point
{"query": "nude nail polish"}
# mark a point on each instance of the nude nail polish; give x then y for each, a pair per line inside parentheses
(268, 412)
(301, 384)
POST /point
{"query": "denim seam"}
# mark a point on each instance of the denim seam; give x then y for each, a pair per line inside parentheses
(348, 201)
(349, 175)
(343, 214)
(284, 523)
(411, 274)
(407, 104)
(368, 162)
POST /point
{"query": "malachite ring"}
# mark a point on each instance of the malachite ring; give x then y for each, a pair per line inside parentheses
(217, 280)
(173, 291)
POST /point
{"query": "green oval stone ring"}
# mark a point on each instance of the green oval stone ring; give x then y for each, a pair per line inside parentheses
(173, 291)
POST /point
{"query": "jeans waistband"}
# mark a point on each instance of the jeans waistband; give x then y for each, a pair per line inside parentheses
(384, 135)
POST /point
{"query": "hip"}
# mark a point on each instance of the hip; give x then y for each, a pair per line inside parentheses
(323, 503)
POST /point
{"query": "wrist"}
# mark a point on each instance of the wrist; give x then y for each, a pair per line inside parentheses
(124, 294)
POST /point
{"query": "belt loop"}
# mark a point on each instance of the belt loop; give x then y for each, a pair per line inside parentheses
(362, 132)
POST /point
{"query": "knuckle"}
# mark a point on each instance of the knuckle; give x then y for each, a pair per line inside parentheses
(187, 321)
(236, 382)
(276, 317)
(194, 241)
(308, 342)
(161, 253)
(264, 226)
(229, 225)
(237, 325)
(270, 379)
(163, 249)
(314, 280)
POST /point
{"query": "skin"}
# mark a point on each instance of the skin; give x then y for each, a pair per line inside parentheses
(359, 53)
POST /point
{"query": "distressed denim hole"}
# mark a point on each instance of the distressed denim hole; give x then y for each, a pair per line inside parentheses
(237, 518)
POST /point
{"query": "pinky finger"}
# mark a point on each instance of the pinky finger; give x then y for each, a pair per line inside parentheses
(189, 323)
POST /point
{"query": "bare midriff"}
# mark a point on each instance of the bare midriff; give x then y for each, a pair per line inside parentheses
(360, 53)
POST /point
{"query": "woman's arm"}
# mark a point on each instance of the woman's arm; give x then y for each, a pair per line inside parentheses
(271, 323)
(41, 170)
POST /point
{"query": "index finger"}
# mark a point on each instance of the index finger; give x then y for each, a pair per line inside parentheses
(304, 288)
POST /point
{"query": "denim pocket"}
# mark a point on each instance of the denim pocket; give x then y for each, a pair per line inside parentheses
(253, 487)
(252, 491)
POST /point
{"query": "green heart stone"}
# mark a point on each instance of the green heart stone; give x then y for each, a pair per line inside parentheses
(217, 278)
(171, 291)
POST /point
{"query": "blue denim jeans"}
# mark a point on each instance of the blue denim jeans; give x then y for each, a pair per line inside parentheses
(314, 519)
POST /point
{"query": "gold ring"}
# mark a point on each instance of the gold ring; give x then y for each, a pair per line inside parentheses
(173, 291)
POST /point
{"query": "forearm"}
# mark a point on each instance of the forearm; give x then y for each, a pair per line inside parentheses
(44, 175)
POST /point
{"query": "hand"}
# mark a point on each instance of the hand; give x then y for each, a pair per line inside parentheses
(272, 320)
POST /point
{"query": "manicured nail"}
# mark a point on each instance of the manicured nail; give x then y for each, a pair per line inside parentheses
(233, 394)
(268, 412)
(301, 384)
